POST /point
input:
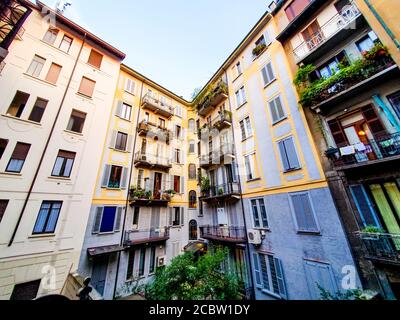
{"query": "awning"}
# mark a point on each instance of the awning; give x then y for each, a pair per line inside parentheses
(92, 252)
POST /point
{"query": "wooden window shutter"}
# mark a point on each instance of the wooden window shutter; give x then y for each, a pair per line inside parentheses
(264, 272)
(182, 185)
(106, 176)
(280, 278)
(373, 120)
(54, 73)
(257, 270)
(337, 133)
(117, 226)
(21, 151)
(124, 178)
(95, 59)
(274, 113)
(285, 161)
(97, 220)
(87, 87)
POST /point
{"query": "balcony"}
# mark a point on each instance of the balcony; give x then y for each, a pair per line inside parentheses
(234, 235)
(154, 193)
(211, 98)
(221, 122)
(384, 149)
(144, 237)
(149, 161)
(381, 247)
(152, 103)
(225, 154)
(339, 27)
(151, 131)
(228, 191)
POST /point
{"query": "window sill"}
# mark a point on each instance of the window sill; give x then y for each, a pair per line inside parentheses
(243, 104)
(253, 180)
(119, 117)
(177, 227)
(94, 67)
(263, 229)
(237, 77)
(309, 233)
(112, 189)
(292, 170)
(54, 47)
(128, 92)
(279, 121)
(12, 174)
(74, 133)
(40, 80)
(104, 233)
(60, 178)
(82, 95)
(269, 83)
(22, 120)
(248, 138)
(118, 150)
(39, 236)
(271, 294)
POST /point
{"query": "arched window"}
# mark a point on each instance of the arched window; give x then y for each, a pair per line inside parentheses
(192, 171)
(192, 200)
(192, 146)
(192, 125)
(193, 230)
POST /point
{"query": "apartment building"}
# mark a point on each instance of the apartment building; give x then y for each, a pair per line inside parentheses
(57, 87)
(349, 89)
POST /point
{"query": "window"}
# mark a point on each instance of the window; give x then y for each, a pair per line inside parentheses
(131, 265)
(260, 218)
(367, 43)
(178, 111)
(176, 216)
(395, 102)
(50, 36)
(192, 199)
(152, 259)
(25, 291)
(130, 86)
(192, 146)
(192, 125)
(319, 275)
(245, 127)
(140, 178)
(268, 74)
(66, 43)
(107, 220)
(199, 149)
(249, 163)
(3, 207)
(115, 177)
(136, 214)
(18, 157)
(18, 104)
(87, 87)
(76, 121)
(121, 141)
(64, 162)
(38, 110)
(54, 73)
(95, 59)
(277, 112)
(193, 230)
(48, 216)
(304, 213)
(3, 146)
(295, 8)
(269, 276)
(178, 132)
(124, 111)
(238, 69)
(142, 261)
(178, 156)
(240, 97)
(177, 184)
(289, 158)
(36, 66)
(192, 171)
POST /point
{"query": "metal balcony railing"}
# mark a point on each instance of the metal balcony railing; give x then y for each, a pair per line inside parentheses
(153, 103)
(381, 246)
(152, 160)
(136, 237)
(224, 233)
(341, 20)
(386, 146)
(211, 100)
(151, 130)
(224, 154)
(151, 189)
(222, 190)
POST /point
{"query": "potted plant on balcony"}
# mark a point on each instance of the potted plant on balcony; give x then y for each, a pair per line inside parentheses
(205, 185)
(259, 49)
(168, 194)
(220, 191)
(136, 193)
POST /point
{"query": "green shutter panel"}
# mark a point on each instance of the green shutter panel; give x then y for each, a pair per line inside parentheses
(106, 176)
(364, 206)
(257, 270)
(97, 220)
(118, 217)
(124, 178)
(281, 278)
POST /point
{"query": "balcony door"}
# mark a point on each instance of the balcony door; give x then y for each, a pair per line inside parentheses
(157, 185)
(143, 148)
(313, 35)
(155, 222)
(99, 273)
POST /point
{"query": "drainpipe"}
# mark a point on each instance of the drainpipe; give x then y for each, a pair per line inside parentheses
(383, 23)
(47, 144)
(127, 196)
(248, 257)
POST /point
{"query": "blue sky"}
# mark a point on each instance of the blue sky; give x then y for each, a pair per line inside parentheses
(177, 43)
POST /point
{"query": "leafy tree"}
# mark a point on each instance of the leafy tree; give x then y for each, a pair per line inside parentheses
(190, 277)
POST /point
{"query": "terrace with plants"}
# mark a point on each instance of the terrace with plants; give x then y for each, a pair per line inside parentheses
(211, 97)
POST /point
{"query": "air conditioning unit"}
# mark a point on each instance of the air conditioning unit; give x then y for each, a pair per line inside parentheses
(254, 237)
(161, 261)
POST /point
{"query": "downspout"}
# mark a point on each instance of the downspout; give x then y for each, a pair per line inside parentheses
(47, 144)
(127, 195)
(383, 23)
(248, 257)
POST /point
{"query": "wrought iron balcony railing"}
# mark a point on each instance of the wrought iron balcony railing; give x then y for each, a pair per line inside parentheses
(151, 130)
(222, 190)
(385, 147)
(149, 160)
(138, 237)
(224, 233)
(222, 155)
(153, 103)
(340, 21)
(382, 246)
(213, 98)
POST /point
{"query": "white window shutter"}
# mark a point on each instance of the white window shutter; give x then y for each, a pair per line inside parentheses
(171, 212)
(117, 226)
(182, 216)
(106, 176)
(129, 144)
(281, 278)
(113, 139)
(119, 109)
(124, 178)
(97, 220)
(257, 270)
(182, 185)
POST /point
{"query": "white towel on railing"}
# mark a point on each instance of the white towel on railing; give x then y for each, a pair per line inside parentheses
(346, 151)
(360, 147)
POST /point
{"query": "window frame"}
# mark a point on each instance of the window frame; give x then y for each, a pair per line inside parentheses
(90, 58)
(45, 226)
(246, 129)
(55, 35)
(38, 68)
(75, 117)
(117, 144)
(64, 164)
(92, 89)
(290, 168)
(38, 107)
(272, 103)
(192, 199)
(266, 74)
(24, 160)
(313, 211)
(259, 214)
(62, 42)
